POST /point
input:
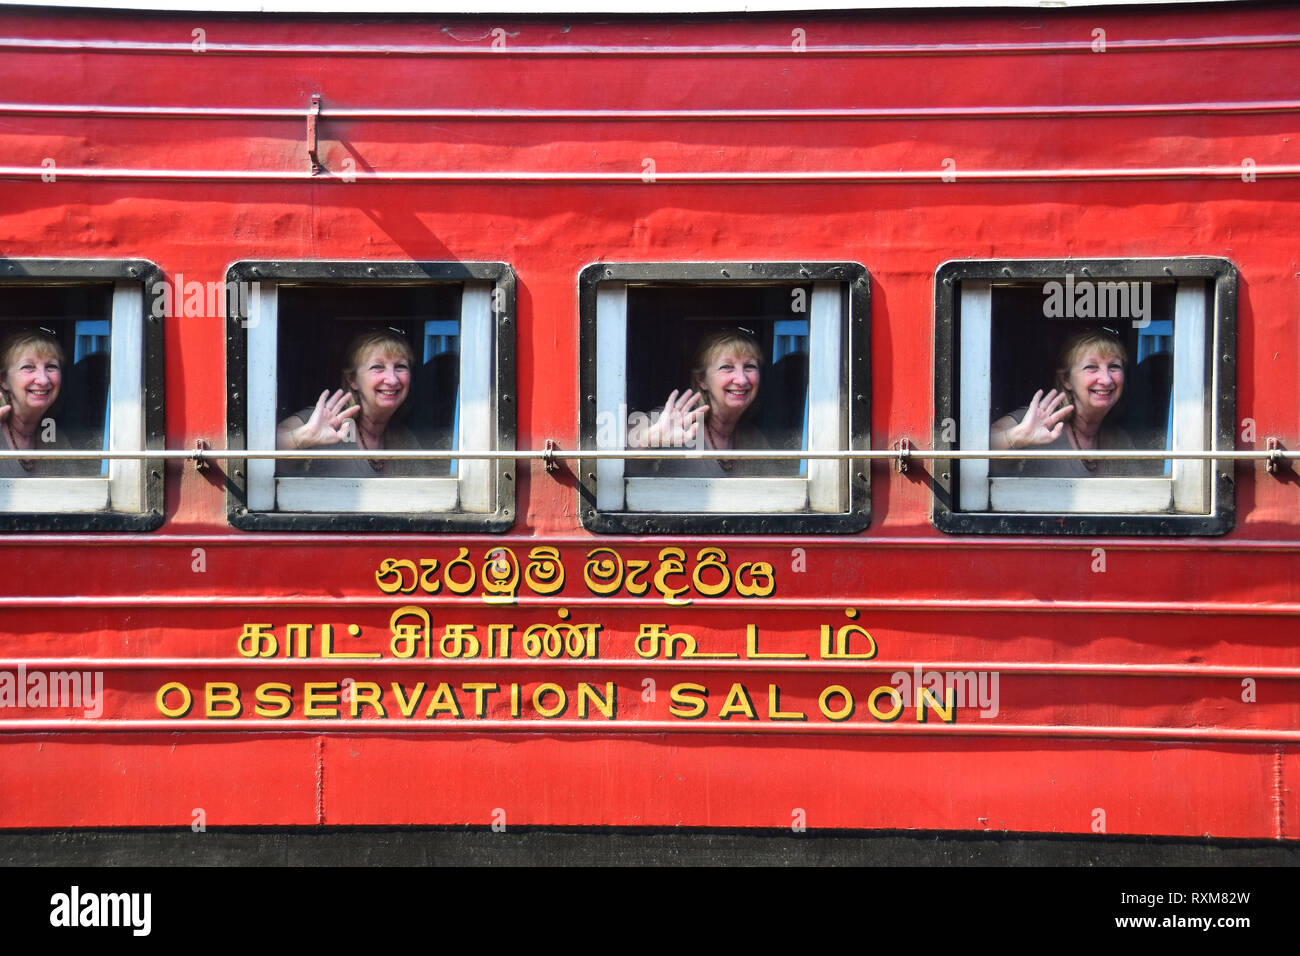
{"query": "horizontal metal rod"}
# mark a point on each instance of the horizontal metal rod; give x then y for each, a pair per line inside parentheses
(1184, 608)
(784, 49)
(894, 454)
(1027, 111)
(55, 174)
(343, 725)
(882, 542)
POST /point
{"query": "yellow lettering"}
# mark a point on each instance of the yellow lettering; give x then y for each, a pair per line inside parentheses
(296, 638)
(711, 559)
(459, 587)
(187, 700)
(367, 692)
(479, 690)
(885, 691)
(498, 640)
(562, 701)
(322, 693)
(443, 702)
(407, 705)
(634, 570)
(752, 651)
(273, 700)
(587, 694)
(839, 648)
(947, 714)
(545, 573)
(393, 567)
(737, 702)
(327, 643)
(671, 561)
(257, 640)
(219, 693)
(603, 571)
(500, 576)
(410, 628)
(688, 700)
(428, 583)
(774, 711)
(840, 713)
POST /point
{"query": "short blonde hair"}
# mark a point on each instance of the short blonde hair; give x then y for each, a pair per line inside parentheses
(1106, 343)
(389, 341)
(45, 344)
(712, 345)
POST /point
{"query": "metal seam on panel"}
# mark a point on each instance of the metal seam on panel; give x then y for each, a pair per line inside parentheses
(661, 178)
(291, 539)
(186, 48)
(848, 113)
(100, 602)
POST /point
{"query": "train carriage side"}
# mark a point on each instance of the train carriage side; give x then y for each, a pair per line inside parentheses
(532, 623)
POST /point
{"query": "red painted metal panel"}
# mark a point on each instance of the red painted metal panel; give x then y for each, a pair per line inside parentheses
(1121, 691)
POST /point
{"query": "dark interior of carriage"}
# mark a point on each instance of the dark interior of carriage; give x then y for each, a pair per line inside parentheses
(665, 323)
(1025, 344)
(79, 316)
(316, 322)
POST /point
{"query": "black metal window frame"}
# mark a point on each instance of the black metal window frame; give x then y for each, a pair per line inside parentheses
(855, 383)
(355, 273)
(63, 272)
(1220, 390)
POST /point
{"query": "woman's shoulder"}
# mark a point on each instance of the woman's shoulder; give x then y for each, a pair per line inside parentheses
(752, 437)
(1117, 438)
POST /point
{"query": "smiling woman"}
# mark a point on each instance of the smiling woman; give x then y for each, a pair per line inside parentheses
(31, 377)
(362, 414)
(1072, 416)
(712, 413)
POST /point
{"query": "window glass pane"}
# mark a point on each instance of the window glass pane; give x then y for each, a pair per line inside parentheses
(667, 324)
(77, 318)
(1033, 322)
(318, 325)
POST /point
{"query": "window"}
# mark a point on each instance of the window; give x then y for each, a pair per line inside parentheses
(289, 328)
(640, 325)
(1000, 330)
(109, 396)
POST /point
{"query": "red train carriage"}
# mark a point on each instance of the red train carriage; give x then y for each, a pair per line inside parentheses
(520, 617)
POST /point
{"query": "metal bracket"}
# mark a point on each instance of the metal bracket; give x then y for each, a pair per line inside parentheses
(1275, 460)
(548, 456)
(201, 464)
(311, 134)
(904, 447)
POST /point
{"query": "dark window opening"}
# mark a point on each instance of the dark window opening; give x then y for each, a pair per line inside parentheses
(1025, 350)
(77, 317)
(316, 324)
(667, 323)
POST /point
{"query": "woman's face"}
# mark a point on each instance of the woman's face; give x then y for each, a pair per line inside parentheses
(731, 382)
(1097, 381)
(382, 380)
(32, 380)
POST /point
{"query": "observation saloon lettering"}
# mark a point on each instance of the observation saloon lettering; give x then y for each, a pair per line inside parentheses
(444, 665)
